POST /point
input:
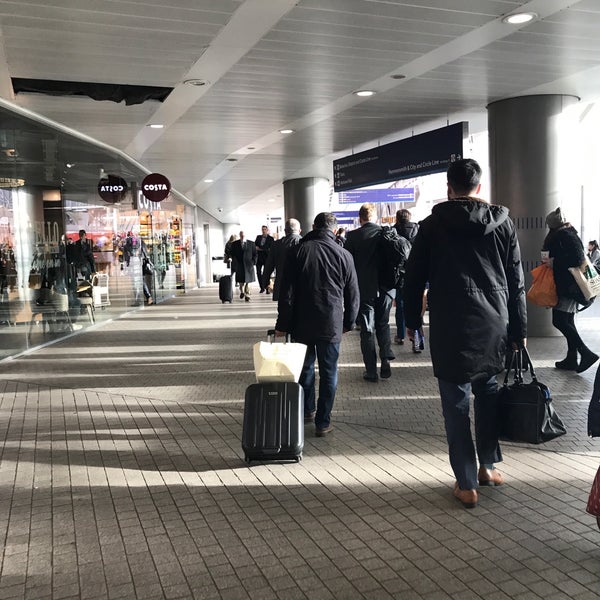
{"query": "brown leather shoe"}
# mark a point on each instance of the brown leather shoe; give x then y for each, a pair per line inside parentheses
(324, 432)
(468, 498)
(489, 477)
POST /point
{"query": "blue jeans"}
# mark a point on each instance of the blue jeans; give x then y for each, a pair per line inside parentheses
(327, 354)
(374, 321)
(455, 406)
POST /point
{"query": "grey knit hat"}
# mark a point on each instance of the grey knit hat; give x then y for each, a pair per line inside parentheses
(555, 219)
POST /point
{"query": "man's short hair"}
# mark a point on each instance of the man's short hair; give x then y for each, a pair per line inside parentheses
(292, 226)
(81, 233)
(464, 175)
(403, 215)
(325, 220)
(368, 212)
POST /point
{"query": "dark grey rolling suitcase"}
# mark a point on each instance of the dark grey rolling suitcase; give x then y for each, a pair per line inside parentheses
(273, 422)
(226, 289)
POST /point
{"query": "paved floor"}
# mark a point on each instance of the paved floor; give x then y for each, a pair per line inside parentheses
(122, 477)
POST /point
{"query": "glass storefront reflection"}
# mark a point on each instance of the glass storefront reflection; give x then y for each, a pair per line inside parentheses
(48, 195)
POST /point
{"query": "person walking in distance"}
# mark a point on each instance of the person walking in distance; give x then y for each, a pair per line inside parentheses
(263, 242)
(279, 250)
(375, 301)
(318, 302)
(565, 250)
(468, 251)
(243, 253)
(408, 230)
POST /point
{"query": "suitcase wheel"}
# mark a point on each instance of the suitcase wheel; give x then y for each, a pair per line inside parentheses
(298, 458)
(247, 459)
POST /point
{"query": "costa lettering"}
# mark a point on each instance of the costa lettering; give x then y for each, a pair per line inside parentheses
(112, 189)
(156, 187)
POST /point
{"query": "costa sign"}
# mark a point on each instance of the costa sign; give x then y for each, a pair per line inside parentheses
(156, 187)
(112, 188)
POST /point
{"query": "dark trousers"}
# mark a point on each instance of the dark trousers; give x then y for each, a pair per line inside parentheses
(565, 323)
(455, 407)
(327, 353)
(260, 267)
(374, 322)
(400, 324)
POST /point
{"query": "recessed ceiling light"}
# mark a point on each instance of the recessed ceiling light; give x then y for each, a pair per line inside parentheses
(398, 76)
(519, 18)
(231, 159)
(196, 82)
(156, 125)
(364, 93)
(251, 147)
(208, 180)
(271, 200)
(286, 131)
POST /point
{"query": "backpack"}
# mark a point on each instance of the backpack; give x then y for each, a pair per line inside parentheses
(393, 252)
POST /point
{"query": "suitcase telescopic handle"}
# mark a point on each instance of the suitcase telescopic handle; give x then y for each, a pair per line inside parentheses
(271, 336)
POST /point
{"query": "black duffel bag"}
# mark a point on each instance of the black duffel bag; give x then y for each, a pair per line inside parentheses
(525, 410)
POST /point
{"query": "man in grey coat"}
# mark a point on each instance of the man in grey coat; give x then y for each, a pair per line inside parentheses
(468, 251)
(243, 253)
(276, 257)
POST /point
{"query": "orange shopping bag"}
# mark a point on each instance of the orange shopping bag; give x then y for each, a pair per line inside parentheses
(543, 289)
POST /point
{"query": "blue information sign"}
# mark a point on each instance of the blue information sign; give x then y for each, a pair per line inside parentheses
(378, 195)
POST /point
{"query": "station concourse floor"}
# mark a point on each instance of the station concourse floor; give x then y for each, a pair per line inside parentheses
(122, 476)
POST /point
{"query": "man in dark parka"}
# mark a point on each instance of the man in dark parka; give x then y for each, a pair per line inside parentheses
(318, 302)
(243, 253)
(468, 251)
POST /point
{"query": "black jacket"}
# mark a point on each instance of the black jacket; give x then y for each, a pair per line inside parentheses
(363, 244)
(469, 252)
(566, 250)
(276, 260)
(407, 229)
(319, 295)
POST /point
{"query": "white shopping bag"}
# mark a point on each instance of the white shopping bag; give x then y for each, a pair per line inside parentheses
(278, 362)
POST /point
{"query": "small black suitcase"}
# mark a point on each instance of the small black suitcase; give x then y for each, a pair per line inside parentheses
(273, 422)
(226, 289)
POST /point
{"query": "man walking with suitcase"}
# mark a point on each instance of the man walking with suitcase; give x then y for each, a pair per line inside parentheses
(468, 251)
(318, 302)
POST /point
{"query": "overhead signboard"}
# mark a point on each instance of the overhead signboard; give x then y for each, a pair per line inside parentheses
(419, 155)
(378, 195)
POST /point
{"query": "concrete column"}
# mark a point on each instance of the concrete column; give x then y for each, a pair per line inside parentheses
(304, 199)
(527, 142)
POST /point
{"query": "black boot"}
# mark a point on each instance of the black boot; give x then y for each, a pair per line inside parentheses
(588, 358)
(569, 363)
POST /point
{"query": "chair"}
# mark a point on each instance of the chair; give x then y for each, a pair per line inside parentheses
(50, 307)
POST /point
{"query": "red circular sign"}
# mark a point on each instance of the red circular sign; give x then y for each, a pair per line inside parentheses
(156, 187)
(112, 188)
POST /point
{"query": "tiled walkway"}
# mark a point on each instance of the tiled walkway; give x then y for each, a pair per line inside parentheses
(122, 477)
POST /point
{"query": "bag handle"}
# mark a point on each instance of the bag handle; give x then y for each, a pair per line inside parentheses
(517, 360)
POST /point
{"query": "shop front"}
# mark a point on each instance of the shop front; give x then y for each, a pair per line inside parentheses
(71, 256)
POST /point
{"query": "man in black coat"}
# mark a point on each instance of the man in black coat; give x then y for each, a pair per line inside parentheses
(318, 302)
(263, 243)
(277, 255)
(81, 256)
(375, 301)
(468, 251)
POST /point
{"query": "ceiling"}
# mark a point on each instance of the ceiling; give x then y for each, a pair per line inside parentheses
(274, 64)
